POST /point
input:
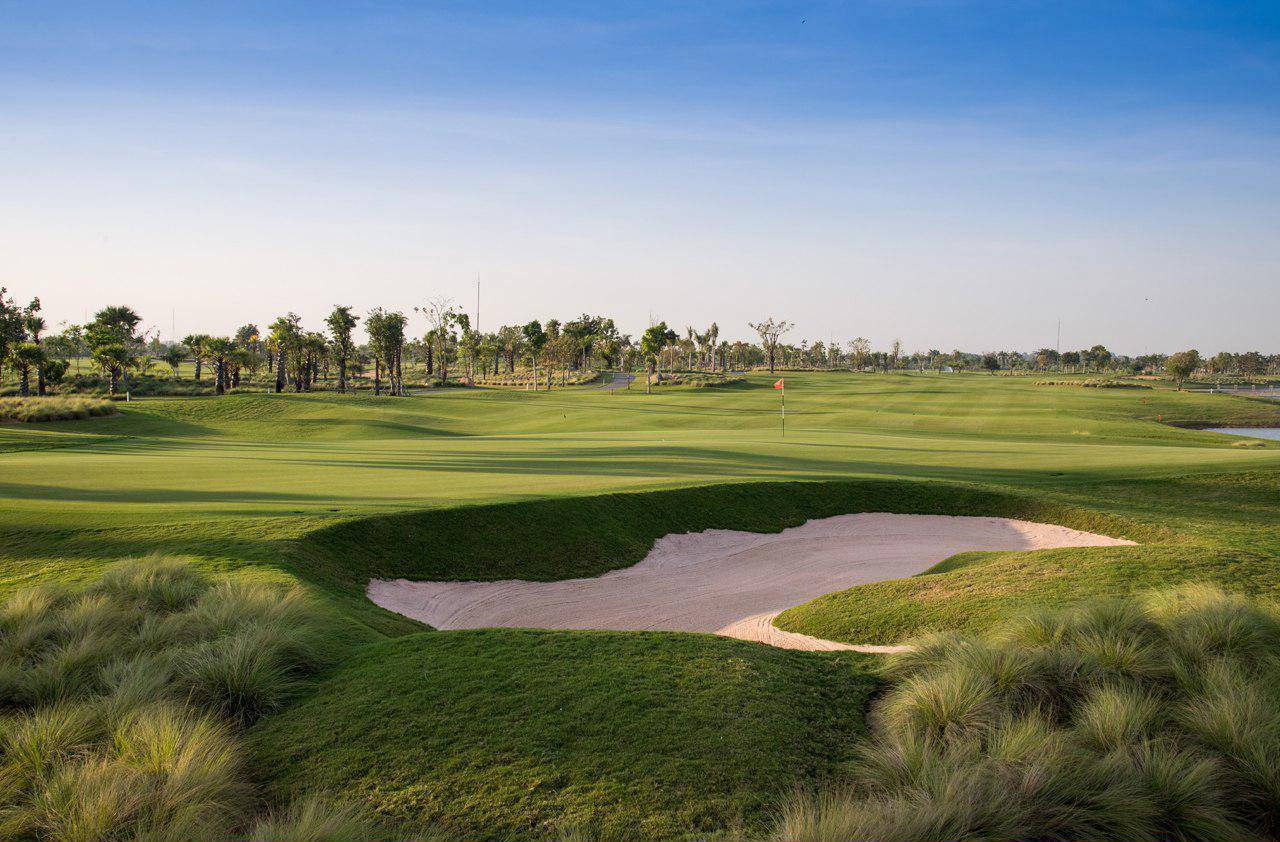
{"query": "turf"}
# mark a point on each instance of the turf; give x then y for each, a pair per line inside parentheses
(329, 490)
(504, 734)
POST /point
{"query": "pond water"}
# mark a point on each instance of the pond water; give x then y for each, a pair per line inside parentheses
(1272, 433)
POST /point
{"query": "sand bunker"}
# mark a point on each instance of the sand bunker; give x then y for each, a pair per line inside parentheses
(727, 582)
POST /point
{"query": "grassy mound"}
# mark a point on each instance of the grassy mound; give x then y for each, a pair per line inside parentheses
(1225, 534)
(974, 591)
(32, 410)
(504, 734)
(588, 536)
(1146, 720)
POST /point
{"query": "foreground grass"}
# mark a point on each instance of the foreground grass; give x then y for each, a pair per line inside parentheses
(1152, 720)
(124, 704)
(514, 734)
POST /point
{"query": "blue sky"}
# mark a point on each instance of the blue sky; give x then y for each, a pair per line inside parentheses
(952, 173)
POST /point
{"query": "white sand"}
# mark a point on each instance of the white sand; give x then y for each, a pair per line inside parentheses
(727, 582)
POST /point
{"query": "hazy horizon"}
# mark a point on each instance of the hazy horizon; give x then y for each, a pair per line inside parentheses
(955, 174)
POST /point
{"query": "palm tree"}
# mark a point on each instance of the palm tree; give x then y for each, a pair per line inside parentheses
(195, 342)
(113, 359)
(174, 355)
(652, 344)
(219, 350)
(284, 337)
(35, 325)
(341, 322)
(24, 357)
(112, 336)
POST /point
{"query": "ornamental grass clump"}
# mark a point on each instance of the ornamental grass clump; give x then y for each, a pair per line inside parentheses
(121, 702)
(1149, 719)
(36, 409)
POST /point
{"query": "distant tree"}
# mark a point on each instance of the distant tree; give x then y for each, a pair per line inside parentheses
(218, 350)
(1099, 357)
(386, 339)
(991, 363)
(67, 344)
(1251, 363)
(195, 344)
(469, 341)
(112, 336)
(654, 341)
(1070, 358)
(441, 317)
(34, 325)
(512, 339)
(12, 330)
(770, 332)
(1182, 365)
(174, 355)
(535, 338)
(585, 332)
(859, 351)
(1046, 358)
(114, 359)
(249, 341)
(55, 370)
(285, 338)
(341, 323)
(24, 357)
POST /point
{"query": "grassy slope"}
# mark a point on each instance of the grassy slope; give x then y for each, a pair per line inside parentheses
(492, 734)
(1222, 530)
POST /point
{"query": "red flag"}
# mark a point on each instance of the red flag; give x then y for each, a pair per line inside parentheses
(781, 384)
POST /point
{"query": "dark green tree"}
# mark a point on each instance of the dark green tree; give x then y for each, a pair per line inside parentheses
(341, 323)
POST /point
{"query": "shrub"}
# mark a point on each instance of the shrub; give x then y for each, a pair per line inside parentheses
(1157, 718)
(696, 379)
(1094, 383)
(32, 410)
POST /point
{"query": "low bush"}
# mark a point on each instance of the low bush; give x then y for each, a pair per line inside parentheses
(33, 409)
(1094, 383)
(1151, 719)
(698, 380)
(122, 702)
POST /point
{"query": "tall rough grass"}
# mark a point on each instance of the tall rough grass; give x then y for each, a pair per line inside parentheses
(1151, 719)
(33, 409)
(121, 703)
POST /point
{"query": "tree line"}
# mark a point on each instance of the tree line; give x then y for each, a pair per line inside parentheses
(376, 349)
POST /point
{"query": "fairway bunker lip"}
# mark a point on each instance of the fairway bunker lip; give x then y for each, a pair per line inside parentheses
(725, 581)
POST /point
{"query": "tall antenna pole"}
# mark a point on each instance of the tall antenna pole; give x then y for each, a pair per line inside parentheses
(477, 302)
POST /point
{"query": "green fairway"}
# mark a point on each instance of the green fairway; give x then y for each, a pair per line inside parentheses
(329, 490)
